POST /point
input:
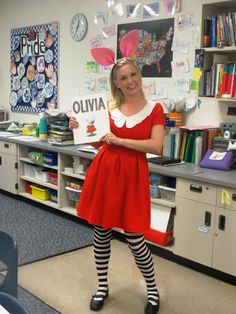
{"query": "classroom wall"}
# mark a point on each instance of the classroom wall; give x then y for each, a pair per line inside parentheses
(74, 55)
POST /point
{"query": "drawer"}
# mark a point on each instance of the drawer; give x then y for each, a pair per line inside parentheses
(196, 190)
(226, 197)
(8, 148)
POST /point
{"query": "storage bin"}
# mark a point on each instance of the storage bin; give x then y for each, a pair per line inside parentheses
(50, 158)
(73, 194)
(28, 188)
(41, 174)
(167, 193)
(40, 193)
(53, 196)
(154, 191)
(162, 238)
(52, 177)
(35, 155)
(29, 170)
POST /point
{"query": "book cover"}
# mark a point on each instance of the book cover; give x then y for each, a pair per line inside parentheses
(214, 31)
(92, 114)
(183, 144)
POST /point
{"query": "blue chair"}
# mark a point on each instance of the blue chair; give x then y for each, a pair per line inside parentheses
(12, 304)
(9, 257)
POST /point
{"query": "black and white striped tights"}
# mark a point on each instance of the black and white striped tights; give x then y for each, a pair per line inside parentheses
(142, 256)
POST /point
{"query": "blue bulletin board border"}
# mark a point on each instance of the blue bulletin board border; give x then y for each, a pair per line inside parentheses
(34, 68)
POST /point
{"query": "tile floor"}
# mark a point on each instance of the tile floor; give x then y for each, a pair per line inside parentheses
(67, 281)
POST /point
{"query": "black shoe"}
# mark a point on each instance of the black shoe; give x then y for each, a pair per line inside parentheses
(96, 305)
(152, 309)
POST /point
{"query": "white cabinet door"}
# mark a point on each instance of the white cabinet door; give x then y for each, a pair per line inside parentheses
(8, 172)
(224, 252)
(194, 230)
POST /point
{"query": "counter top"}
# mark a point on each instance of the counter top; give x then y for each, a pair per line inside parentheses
(185, 170)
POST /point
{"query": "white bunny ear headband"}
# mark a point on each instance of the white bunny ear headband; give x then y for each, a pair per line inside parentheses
(128, 45)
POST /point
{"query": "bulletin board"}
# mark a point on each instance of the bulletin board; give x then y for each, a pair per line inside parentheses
(154, 55)
(34, 68)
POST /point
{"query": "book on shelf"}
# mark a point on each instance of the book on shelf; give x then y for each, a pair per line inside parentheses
(223, 29)
(92, 115)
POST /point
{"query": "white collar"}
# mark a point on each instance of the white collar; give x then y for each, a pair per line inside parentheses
(120, 119)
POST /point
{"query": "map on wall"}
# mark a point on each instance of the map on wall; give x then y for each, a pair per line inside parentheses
(154, 55)
(34, 68)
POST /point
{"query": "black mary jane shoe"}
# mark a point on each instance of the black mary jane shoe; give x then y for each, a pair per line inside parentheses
(152, 309)
(96, 305)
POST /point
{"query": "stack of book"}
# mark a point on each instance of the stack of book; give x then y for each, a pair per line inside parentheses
(220, 80)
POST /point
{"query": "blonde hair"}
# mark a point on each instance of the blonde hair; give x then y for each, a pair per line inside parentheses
(117, 95)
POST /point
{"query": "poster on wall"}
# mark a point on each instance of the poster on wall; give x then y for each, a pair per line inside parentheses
(154, 54)
(34, 68)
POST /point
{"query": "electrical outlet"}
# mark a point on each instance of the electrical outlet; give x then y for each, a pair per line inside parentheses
(231, 111)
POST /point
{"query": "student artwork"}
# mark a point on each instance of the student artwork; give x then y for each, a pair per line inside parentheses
(151, 10)
(133, 10)
(199, 58)
(34, 68)
(154, 54)
(172, 6)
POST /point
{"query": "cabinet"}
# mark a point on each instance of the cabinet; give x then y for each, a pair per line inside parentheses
(8, 167)
(204, 227)
(221, 19)
(224, 254)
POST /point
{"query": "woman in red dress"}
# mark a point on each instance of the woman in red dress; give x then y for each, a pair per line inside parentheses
(116, 189)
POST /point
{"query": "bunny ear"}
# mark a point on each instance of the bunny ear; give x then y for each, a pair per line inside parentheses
(129, 43)
(103, 56)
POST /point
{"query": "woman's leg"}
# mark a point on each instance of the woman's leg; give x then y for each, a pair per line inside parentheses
(102, 250)
(144, 261)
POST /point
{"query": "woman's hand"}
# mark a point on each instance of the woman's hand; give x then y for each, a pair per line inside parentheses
(110, 138)
(73, 123)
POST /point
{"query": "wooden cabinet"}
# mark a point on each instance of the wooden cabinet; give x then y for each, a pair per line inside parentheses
(194, 220)
(205, 224)
(224, 254)
(8, 167)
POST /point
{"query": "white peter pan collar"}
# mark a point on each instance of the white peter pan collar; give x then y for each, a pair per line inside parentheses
(120, 119)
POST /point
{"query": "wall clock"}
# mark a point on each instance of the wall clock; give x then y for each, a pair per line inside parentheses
(78, 26)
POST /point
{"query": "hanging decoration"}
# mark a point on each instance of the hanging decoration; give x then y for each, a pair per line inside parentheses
(34, 68)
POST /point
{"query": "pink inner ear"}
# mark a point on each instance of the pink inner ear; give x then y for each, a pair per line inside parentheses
(129, 43)
(103, 56)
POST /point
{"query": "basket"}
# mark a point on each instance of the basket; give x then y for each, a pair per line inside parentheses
(41, 174)
(40, 193)
(73, 194)
(167, 193)
(29, 171)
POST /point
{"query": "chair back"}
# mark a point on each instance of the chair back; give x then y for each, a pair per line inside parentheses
(12, 304)
(9, 256)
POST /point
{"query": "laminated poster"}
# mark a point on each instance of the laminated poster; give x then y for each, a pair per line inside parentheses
(92, 114)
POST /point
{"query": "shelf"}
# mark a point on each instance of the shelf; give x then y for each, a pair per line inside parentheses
(25, 159)
(38, 182)
(47, 203)
(163, 202)
(73, 175)
(218, 50)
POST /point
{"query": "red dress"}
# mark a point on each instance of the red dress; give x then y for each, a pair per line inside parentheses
(116, 190)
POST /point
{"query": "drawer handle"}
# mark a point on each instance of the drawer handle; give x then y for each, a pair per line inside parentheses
(0, 160)
(234, 196)
(207, 219)
(195, 188)
(221, 225)
(6, 145)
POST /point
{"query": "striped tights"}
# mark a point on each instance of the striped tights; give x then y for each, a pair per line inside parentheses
(142, 257)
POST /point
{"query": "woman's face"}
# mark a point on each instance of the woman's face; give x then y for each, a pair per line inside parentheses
(128, 80)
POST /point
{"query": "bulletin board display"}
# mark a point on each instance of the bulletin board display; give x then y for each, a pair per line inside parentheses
(34, 68)
(154, 54)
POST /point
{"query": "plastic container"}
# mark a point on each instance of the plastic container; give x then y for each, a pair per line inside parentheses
(41, 174)
(52, 177)
(53, 196)
(73, 194)
(167, 193)
(162, 238)
(50, 158)
(29, 171)
(28, 188)
(40, 193)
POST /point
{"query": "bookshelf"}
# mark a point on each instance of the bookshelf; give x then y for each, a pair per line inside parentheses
(219, 70)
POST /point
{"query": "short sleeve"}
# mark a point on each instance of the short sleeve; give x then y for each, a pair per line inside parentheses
(158, 116)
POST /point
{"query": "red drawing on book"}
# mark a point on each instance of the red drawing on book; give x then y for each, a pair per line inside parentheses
(91, 129)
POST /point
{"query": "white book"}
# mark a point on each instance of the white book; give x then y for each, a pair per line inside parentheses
(92, 114)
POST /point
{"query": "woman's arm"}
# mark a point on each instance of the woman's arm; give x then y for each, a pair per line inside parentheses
(153, 145)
